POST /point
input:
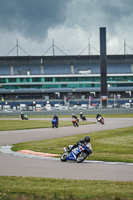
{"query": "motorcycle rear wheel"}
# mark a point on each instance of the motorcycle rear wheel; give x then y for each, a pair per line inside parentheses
(81, 157)
(102, 121)
(63, 157)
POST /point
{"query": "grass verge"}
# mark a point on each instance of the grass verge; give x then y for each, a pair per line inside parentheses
(33, 124)
(20, 188)
(110, 145)
(115, 115)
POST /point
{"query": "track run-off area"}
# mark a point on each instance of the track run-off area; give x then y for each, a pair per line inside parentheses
(17, 164)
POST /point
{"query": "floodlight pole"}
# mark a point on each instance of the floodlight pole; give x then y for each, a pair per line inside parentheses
(103, 67)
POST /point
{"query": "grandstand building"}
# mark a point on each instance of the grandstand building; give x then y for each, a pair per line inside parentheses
(56, 77)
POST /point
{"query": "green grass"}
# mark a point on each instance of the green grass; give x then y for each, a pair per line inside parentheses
(110, 145)
(33, 124)
(20, 188)
(30, 124)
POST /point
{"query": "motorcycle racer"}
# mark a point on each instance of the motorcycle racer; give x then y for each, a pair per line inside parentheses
(82, 116)
(75, 117)
(98, 116)
(57, 119)
(81, 142)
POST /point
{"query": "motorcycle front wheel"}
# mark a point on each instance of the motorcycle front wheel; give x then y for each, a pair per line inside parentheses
(63, 157)
(74, 124)
(81, 157)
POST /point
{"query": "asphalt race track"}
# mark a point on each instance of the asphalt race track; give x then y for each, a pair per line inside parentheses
(15, 165)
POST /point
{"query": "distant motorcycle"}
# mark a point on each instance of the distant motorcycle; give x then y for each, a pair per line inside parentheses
(78, 154)
(100, 119)
(75, 122)
(24, 117)
(82, 116)
(54, 123)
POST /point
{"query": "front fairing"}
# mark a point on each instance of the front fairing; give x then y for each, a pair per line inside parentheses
(74, 152)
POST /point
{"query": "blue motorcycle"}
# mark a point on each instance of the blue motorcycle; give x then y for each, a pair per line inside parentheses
(54, 123)
(78, 154)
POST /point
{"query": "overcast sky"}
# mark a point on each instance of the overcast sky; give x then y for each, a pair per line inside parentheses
(70, 26)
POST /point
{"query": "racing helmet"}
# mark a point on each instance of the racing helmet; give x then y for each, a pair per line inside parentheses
(87, 139)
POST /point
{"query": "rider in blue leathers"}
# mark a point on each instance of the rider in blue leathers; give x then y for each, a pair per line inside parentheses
(81, 142)
(57, 120)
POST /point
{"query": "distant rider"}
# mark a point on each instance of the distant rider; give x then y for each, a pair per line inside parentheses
(75, 117)
(57, 120)
(82, 116)
(98, 116)
(22, 115)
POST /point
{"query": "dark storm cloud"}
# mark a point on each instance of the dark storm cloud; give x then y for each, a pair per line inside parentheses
(32, 18)
(95, 13)
(70, 22)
